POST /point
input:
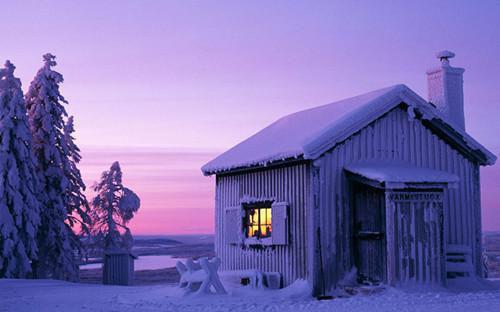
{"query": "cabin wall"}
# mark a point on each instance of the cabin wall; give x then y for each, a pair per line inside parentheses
(394, 136)
(289, 184)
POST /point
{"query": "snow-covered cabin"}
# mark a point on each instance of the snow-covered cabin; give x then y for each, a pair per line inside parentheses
(384, 182)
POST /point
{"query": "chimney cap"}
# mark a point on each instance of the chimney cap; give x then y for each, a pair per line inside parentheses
(444, 55)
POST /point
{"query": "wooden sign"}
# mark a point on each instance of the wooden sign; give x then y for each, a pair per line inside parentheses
(416, 196)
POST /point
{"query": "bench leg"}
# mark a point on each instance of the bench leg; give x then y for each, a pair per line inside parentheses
(211, 278)
(210, 268)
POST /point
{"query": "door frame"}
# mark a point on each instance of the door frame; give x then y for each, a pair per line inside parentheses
(386, 188)
(383, 226)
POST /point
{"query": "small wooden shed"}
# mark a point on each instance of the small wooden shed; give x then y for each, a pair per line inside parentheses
(118, 267)
(383, 183)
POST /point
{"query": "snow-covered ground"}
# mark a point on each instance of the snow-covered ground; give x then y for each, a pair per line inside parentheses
(48, 295)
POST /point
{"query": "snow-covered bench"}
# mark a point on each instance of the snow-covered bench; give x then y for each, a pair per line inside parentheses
(254, 278)
(199, 276)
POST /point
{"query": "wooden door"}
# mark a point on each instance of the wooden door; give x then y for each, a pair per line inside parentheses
(369, 236)
(415, 237)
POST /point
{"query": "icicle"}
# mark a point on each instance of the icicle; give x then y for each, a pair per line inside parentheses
(411, 113)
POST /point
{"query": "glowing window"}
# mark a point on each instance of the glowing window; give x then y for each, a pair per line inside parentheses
(258, 223)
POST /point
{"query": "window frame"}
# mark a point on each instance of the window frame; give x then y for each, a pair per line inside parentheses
(258, 206)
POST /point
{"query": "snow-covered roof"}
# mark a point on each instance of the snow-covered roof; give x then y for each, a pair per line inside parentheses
(309, 133)
(395, 173)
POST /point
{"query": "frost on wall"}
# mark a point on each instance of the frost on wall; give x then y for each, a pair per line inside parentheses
(19, 207)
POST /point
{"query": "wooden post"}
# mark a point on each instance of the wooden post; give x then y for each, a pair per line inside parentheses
(389, 221)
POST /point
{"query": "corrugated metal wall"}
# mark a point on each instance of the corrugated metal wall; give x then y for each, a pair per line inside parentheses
(118, 269)
(288, 184)
(393, 137)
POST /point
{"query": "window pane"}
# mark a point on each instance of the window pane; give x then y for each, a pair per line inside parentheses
(253, 217)
(252, 231)
(262, 215)
(265, 230)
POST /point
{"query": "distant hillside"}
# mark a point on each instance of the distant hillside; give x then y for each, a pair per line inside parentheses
(154, 240)
(176, 245)
(491, 246)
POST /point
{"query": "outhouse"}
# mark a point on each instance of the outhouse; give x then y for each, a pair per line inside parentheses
(118, 267)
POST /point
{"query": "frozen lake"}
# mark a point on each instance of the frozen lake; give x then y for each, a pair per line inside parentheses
(145, 263)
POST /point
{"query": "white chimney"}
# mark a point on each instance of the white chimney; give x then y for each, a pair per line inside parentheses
(445, 87)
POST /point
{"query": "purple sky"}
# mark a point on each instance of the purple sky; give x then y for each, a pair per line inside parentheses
(203, 75)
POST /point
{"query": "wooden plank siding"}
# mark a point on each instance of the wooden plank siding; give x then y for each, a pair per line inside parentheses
(285, 184)
(394, 136)
(415, 244)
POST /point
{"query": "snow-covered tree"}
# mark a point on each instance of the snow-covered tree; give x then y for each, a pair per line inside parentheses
(112, 208)
(76, 201)
(62, 198)
(19, 206)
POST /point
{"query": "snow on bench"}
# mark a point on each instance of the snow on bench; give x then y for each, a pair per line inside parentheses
(199, 276)
(255, 278)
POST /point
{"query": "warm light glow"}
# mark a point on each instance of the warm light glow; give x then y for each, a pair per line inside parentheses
(259, 222)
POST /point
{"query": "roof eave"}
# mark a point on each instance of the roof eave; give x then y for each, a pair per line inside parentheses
(257, 166)
(477, 152)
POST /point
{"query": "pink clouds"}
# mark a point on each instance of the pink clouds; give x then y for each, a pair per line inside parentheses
(175, 196)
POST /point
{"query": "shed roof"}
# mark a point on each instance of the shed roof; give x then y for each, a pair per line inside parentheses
(395, 173)
(308, 134)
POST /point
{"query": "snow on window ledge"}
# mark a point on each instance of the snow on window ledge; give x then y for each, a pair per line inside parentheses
(247, 199)
(252, 241)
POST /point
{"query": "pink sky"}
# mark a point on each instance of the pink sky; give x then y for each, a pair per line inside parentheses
(181, 76)
(175, 197)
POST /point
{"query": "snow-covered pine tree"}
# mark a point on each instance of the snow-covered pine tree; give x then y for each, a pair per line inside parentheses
(19, 206)
(75, 201)
(112, 208)
(62, 198)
